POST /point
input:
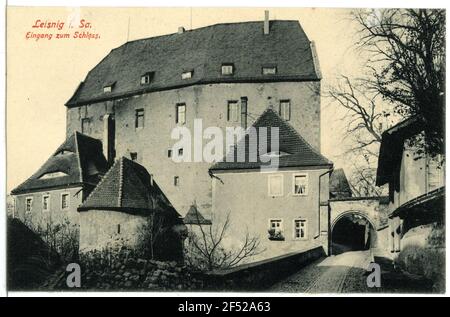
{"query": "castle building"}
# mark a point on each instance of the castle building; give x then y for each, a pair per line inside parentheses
(416, 183)
(262, 74)
(55, 191)
(285, 208)
(225, 74)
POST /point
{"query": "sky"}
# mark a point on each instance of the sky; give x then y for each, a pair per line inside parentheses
(42, 75)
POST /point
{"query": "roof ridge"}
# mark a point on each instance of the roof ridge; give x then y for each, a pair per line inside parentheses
(120, 182)
(206, 27)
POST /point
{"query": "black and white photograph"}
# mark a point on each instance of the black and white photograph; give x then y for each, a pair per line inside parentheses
(180, 150)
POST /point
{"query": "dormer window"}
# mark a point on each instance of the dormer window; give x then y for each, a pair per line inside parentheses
(187, 74)
(108, 87)
(275, 154)
(269, 70)
(227, 69)
(147, 78)
(52, 175)
(62, 152)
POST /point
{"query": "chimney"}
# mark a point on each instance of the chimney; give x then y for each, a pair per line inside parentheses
(244, 112)
(266, 22)
(108, 137)
(181, 30)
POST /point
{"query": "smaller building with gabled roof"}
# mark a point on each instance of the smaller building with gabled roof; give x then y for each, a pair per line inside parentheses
(285, 207)
(55, 191)
(119, 209)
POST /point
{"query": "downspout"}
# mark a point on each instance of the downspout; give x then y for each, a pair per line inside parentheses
(318, 217)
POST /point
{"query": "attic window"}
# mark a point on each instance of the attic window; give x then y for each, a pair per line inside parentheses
(269, 70)
(108, 87)
(275, 154)
(146, 78)
(52, 175)
(227, 69)
(187, 74)
(62, 152)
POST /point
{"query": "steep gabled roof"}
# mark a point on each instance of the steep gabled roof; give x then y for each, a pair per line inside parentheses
(79, 160)
(194, 217)
(127, 187)
(202, 51)
(294, 150)
(391, 149)
(339, 185)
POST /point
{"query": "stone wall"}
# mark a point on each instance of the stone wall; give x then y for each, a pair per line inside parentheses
(260, 275)
(208, 102)
(105, 228)
(124, 270)
(423, 253)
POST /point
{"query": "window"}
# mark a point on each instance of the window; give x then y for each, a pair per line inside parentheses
(272, 70)
(300, 229)
(435, 172)
(108, 87)
(275, 185)
(276, 224)
(180, 152)
(300, 184)
(118, 229)
(276, 230)
(139, 118)
(64, 201)
(227, 69)
(169, 153)
(28, 204)
(187, 75)
(133, 156)
(86, 125)
(46, 203)
(181, 113)
(176, 181)
(52, 175)
(233, 111)
(285, 109)
(146, 78)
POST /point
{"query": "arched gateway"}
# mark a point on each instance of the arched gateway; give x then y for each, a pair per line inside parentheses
(357, 223)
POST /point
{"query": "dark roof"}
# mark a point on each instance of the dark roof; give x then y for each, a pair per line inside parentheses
(296, 152)
(80, 157)
(339, 186)
(429, 207)
(194, 217)
(391, 149)
(203, 51)
(127, 187)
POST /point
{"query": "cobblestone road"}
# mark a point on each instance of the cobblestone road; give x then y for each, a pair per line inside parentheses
(343, 273)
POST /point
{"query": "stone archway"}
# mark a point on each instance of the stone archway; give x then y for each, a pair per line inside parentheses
(352, 231)
(368, 210)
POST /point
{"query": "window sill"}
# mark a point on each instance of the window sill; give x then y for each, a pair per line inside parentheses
(276, 238)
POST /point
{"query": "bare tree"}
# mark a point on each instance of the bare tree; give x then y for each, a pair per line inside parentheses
(365, 119)
(363, 114)
(407, 64)
(406, 69)
(207, 252)
(149, 234)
